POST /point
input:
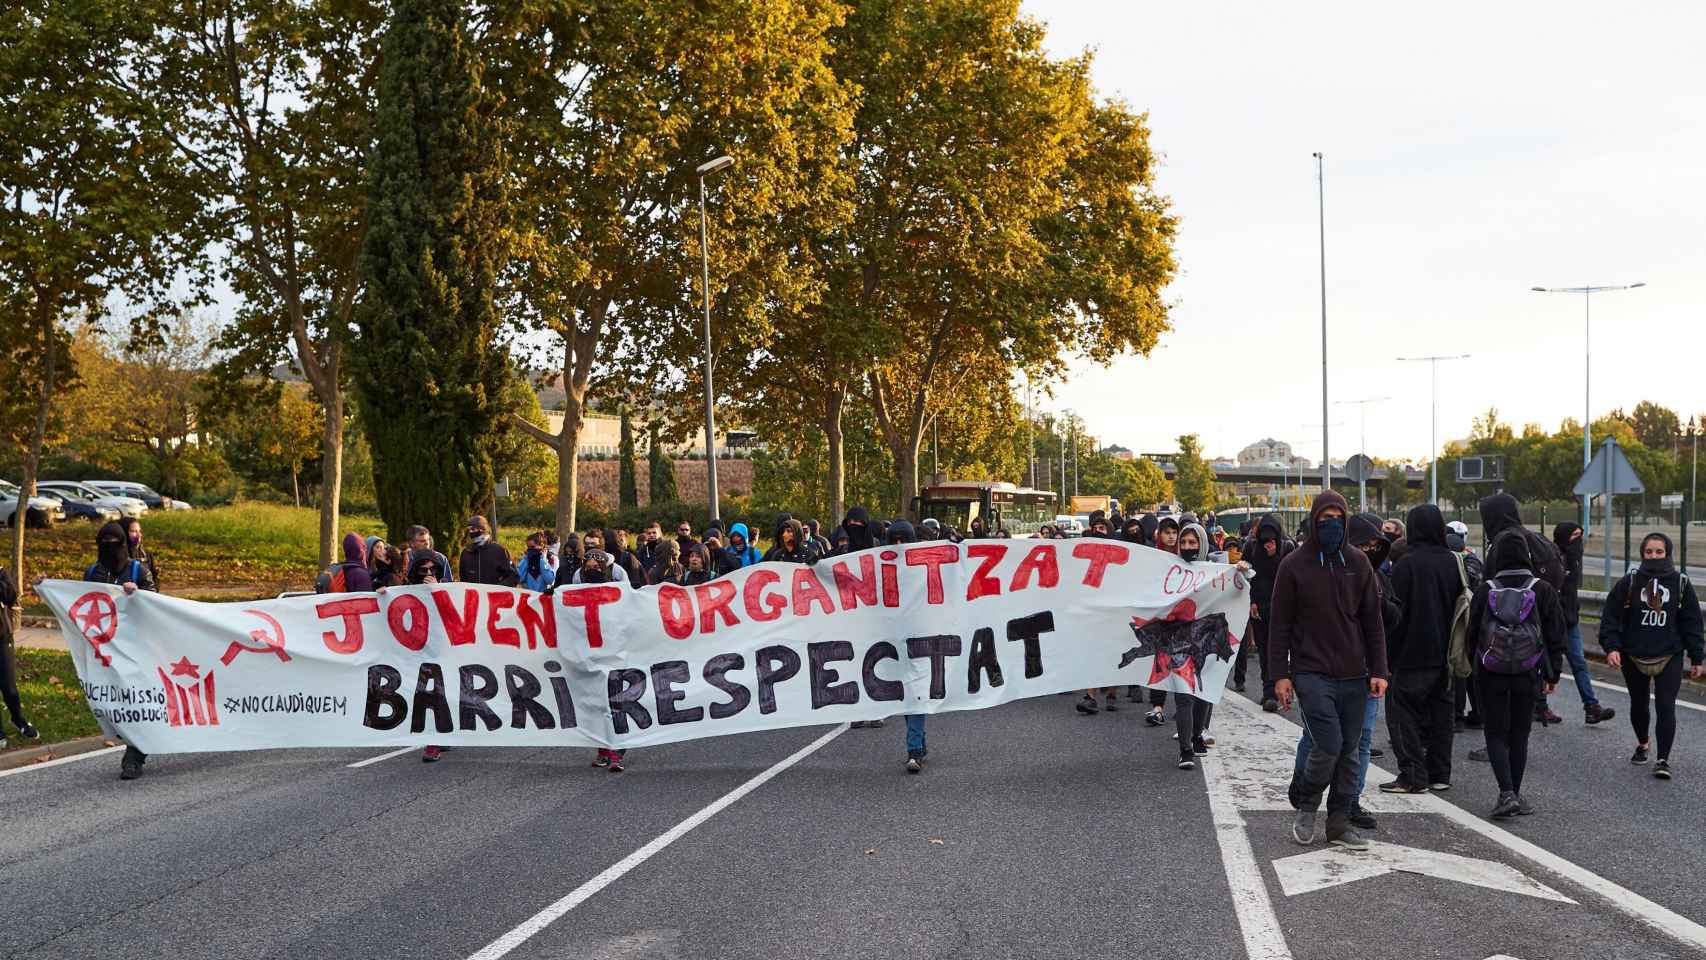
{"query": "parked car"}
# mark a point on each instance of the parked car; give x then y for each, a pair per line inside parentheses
(77, 508)
(140, 491)
(126, 506)
(1069, 525)
(42, 511)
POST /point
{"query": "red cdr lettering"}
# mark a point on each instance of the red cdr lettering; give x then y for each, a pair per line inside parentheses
(351, 610)
(458, 625)
(808, 589)
(590, 599)
(1100, 556)
(982, 583)
(1042, 562)
(931, 559)
(675, 610)
(763, 609)
(715, 598)
(497, 603)
(407, 617)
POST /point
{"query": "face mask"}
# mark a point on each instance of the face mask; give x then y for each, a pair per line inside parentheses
(1188, 553)
(1330, 533)
(480, 540)
(135, 539)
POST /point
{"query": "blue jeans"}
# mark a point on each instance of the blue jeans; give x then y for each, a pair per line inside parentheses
(1370, 717)
(1336, 717)
(1579, 667)
(915, 734)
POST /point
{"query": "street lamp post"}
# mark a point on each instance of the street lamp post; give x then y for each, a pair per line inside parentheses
(1362, 443)
(1587, 373)
(1433, 428)
(1321, 213)
(704, 170)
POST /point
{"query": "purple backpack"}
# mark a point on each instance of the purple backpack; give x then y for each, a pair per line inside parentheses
(1511, 641)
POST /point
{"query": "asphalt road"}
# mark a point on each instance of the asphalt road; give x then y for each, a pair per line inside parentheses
(1034, 832)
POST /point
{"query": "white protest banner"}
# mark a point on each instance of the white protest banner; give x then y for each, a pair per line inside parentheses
(915, 629)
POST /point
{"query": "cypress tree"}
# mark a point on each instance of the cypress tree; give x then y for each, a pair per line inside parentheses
(627, 489)
(428, 375)
(660, 468)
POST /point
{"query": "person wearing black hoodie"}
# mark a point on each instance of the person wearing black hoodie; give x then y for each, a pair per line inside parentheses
(114, 564)
(1567, 537)
(696, 565)
(484, 560)
(1269, 547)
(857, 526)
(1507, 698)
(1419, 711)
(1651, 618)
(1329, 652)
(8, 666)
(791, 544)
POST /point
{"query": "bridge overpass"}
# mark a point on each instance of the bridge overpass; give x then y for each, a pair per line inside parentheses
(1298, 486)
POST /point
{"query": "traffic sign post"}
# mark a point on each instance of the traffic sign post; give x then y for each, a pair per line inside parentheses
(1608, 475)
(1359, 468)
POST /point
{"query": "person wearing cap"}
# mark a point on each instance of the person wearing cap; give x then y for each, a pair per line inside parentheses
(484, 560)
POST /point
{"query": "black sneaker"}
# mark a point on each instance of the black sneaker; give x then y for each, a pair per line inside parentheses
(1187, 760)
(29, 732)
(130, 767)
(1401, 786)
(1198, 747)
(1479, 754)
(1155, 719)
(1270, 705)
(1662, 769)
(1640, 755)
(1086, 705)
(914, 765)
(1375, 753)
(1362, 819)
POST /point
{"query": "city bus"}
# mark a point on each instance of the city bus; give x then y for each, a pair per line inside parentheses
(1002, 506)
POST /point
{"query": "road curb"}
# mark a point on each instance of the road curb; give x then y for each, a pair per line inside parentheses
(30, 756)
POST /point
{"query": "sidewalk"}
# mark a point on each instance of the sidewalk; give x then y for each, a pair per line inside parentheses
(44, 638)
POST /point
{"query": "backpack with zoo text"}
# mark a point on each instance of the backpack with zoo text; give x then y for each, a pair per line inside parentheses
(1510, 641)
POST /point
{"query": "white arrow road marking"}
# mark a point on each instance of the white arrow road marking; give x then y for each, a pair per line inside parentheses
(1502, 956)
(1332, 866)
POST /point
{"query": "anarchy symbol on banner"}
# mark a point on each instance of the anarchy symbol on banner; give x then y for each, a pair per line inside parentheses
(96, 617)
(269, 642)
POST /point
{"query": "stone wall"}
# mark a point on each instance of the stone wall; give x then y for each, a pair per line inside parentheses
(598, 481)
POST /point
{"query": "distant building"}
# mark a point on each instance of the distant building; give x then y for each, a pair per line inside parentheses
(1265, 452)
(1118, 452)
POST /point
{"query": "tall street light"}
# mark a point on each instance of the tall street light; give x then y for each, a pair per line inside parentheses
(704, 170)
(1321, 212)
(1587, 373)
(1433, 428)
(1362, 443)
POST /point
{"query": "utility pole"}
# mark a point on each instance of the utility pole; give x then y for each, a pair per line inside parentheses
(1321, 201)
(1362, 444)
(1433, 429)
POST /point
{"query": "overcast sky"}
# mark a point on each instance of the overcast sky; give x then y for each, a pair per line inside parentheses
(1472, 151)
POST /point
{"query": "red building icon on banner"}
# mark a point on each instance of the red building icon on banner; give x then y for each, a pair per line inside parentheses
(189, 704)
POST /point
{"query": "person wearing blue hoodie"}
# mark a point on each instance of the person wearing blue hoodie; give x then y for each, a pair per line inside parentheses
(739, 553)
(538, 569)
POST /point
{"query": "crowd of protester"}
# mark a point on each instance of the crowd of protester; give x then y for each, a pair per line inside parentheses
(1351, 610)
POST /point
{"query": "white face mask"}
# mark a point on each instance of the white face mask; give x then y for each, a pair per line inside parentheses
(480, 540)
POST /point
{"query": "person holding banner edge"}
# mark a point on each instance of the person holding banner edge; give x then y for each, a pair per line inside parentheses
(114, 565)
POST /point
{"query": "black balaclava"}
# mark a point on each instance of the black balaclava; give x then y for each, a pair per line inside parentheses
(112, 548)
(857, 525)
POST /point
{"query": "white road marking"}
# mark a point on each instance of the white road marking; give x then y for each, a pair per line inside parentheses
(1258, 732)
(544, 918)
(384, 756)
(1625, 690)
(1263, 939)
(56, 762)
(1332, 866)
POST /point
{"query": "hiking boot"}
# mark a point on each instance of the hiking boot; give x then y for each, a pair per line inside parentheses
(914, 765)
(1662, 769)
(1478, 754)
(1348, 839)
(1198, 747)
(1402, 786)
(431, 754)
(1303, 827)
(1087, 705)
(1507, 806)
(1270, 705)
(1596, 713)
(1155, 718)
(1545, 716)
(1640, 755)
(1187, 760)
(29, 732)
(1112, 706)
(1362, 819)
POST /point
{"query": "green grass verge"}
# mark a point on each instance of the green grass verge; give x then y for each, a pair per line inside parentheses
(53, 698)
